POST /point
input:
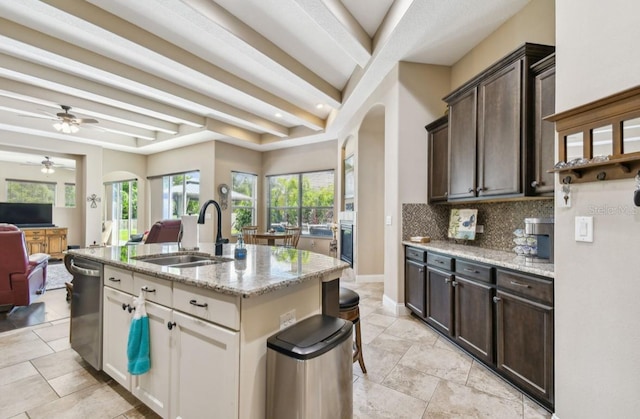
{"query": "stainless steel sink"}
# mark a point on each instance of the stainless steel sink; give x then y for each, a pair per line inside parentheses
(183, 261)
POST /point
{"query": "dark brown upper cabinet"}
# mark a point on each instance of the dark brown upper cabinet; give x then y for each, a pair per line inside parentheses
(438, 138)
(491, 130)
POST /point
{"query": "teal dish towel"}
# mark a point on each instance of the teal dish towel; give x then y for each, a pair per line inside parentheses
(138, 350)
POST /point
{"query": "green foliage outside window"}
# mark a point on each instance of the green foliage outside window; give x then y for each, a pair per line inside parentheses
(31, 192)
(69, 195)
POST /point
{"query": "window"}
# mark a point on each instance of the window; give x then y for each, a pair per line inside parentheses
(180, 194)
(243, 201)
(31, 191)
(124, 210)
(70, 195)
(304, 200)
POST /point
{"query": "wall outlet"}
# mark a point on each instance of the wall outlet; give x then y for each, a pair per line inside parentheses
(287, 319)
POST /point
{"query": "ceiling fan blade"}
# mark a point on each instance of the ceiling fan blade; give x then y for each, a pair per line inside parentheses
(86, 121)
(39, 116)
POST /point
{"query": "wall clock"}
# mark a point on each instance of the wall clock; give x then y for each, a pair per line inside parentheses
(223, 190)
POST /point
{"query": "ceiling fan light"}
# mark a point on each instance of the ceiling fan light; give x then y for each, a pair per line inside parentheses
(47, 170)
(57, 126)
(73, 128)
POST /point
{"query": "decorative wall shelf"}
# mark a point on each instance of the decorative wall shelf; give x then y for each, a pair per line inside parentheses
(609, 126)
(619, 168)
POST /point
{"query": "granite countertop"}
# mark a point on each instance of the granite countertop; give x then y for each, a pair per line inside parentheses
(494, 257)
(265, 269)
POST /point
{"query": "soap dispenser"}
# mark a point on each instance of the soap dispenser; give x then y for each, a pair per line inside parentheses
(240, 251)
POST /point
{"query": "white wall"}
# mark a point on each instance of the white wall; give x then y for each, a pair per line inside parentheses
(231, 158)
(597, 285)
(535, 23)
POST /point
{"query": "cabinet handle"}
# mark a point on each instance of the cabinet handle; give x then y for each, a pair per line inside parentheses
(439, 261)
(496, 299)
(112, 279)
(471, 270)
(147, 289)
(446, 194)
(535, 184)
(471, 190)
(447, 280)
(420, 269)
(171, 325)
(454, 283)
(195, 303)
(124, 306)
(480, 189)
(517, 284)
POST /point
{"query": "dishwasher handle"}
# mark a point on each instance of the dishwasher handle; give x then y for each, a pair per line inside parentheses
(83, 271)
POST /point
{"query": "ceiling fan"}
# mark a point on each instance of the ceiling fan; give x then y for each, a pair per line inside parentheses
(47, 165)
(69, 123)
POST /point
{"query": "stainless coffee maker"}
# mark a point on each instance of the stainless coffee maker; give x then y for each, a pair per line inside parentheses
(542, 228)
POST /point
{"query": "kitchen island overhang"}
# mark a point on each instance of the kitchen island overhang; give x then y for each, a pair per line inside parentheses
(271, 281)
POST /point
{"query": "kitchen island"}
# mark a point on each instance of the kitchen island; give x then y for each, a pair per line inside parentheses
(209, 320)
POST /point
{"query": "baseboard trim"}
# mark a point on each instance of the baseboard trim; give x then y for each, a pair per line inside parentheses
(396, 308)
(369, 278)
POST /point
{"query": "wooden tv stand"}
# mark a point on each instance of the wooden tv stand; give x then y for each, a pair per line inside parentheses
(50, 240)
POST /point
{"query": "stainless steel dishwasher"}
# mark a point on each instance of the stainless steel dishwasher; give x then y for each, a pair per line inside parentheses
(86, 308)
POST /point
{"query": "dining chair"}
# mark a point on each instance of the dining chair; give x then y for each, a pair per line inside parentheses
(249, 234)
(292, 235)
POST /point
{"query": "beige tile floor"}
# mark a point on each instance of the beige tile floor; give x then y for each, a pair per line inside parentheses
(412, 373)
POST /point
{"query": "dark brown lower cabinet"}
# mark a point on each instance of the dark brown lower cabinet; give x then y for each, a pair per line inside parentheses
(525, 344)
(439, 307)
(503, 318)
(414, 289)
(474, 318)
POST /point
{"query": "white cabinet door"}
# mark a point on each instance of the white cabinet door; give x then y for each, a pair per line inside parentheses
(152, 388)
(116, 322)
(205, 361)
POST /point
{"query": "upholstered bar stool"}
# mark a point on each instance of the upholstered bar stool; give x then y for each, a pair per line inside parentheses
(349, 310)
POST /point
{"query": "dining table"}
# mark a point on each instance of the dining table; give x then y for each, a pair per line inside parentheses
(271, 237)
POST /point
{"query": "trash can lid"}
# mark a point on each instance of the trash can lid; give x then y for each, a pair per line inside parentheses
(311, 337)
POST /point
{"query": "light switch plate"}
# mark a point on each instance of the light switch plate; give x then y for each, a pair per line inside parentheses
(584, 229)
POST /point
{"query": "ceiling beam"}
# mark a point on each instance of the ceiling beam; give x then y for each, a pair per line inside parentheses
(146, 83)
(151, 42)
(338, 23)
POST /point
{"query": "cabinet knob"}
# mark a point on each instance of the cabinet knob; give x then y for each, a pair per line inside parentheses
(471, 190)
(480, 189)
(420, 269)
(454, 283)
(535, 184)
(171, 325)
(447, 280)
(496, 299)
(446, 194)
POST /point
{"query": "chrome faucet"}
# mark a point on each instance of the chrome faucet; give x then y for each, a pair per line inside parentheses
(219, 240)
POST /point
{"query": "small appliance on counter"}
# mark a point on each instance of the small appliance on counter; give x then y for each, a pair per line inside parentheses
(542, 229)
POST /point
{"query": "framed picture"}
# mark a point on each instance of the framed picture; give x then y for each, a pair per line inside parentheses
(349, 178)
(462, 224)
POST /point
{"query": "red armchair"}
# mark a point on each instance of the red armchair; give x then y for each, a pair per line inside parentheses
(164, 231)
(22, 277)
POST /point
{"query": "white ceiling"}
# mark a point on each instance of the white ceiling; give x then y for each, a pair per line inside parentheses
(160, 74)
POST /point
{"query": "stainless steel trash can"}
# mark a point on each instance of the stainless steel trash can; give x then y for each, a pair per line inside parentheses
(310, 370)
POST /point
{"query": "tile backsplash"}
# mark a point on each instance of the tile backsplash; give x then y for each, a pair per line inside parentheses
(499, 220)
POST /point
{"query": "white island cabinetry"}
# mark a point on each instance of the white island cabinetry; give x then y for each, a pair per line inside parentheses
(209, 323)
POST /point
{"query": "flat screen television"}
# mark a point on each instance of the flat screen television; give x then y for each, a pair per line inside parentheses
(26, 215)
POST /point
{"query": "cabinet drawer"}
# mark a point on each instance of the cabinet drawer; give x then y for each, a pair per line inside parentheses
(31, 233)
(154, 289)
(56, 231)
(416, 254)
(442, 262)
(525, 285)
(474, 270)
(119, 279)
(209, 305)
